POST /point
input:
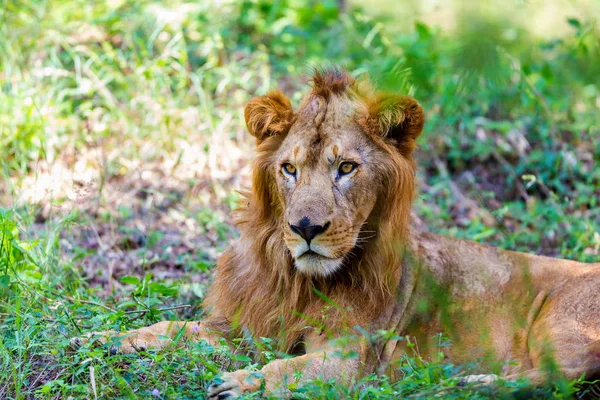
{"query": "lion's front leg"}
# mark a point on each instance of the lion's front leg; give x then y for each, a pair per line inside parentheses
(234, 384)
(157, 336)
(324, 364)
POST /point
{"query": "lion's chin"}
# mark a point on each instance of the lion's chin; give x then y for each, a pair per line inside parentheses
(317, 265)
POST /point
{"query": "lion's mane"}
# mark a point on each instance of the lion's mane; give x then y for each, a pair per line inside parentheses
(257, 287)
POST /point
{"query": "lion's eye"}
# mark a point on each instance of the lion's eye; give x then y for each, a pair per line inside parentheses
(346, 167)
(289, 169)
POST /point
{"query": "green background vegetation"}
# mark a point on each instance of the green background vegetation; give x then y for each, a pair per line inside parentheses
(122, 143)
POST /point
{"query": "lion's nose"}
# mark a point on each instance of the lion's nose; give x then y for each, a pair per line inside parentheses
(307, 231)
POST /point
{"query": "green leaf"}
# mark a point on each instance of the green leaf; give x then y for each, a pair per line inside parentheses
(4, 284)
(130, 280)
(242, 357)
(27, 245)
(574, 22)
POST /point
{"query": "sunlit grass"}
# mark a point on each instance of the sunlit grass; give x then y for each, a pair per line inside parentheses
(122, 142)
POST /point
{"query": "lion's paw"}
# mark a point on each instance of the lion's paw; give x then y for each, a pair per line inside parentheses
(97, 338)
(128, 343)
(232, 384)
(478, 379)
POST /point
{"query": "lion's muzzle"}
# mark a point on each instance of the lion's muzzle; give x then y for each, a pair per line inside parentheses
(307, 231)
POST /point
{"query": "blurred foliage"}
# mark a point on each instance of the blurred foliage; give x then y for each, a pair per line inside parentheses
(513, 124)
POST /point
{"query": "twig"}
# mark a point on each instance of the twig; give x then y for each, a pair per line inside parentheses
(103, 90)
(72, 321)
(160, 309)
(486, 216)
(543, 102)
(26, 286)
(141, 313)
(536, 93)
(510, 169)
(433, 392)
(89, 302)
(71, 299)
(126, 312)
(93, 381)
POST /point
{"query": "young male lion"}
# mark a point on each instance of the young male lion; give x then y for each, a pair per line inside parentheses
(326, 246)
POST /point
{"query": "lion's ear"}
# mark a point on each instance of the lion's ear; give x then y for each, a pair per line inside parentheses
(400, 118)
(269, 115)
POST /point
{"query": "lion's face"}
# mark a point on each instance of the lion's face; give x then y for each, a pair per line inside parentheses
(326, 177)
(334, 158)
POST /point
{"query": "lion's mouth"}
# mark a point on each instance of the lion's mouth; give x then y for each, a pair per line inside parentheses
(312, 263)
(310, 253)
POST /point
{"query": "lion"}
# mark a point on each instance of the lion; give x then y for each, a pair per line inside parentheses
(326, 246)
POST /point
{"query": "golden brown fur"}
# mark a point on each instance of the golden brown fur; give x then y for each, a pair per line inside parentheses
(271, 291)
(326, 246)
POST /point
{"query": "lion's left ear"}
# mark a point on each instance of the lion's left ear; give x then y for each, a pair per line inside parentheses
(269, 115)
(397, 117)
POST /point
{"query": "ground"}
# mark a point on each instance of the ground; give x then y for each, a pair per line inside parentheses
(122, 146)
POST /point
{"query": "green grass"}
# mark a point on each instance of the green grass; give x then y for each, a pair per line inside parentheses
(122, 144)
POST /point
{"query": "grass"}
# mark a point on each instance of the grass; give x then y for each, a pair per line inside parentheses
(122, 144)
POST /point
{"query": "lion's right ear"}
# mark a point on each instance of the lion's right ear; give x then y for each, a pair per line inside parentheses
(396, 117)
(269, 115)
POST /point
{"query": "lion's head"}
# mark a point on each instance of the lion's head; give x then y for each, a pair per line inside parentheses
(338, 171)
(328, 212)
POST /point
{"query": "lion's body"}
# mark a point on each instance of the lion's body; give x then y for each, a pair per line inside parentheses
(511, 309)
(326, 246)
(505, 309)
